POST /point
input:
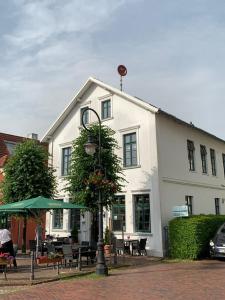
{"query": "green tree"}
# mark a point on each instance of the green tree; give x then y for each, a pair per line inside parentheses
(27, 175)
(87, 178)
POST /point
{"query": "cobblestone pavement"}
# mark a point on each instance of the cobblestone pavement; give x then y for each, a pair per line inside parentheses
(191, 280)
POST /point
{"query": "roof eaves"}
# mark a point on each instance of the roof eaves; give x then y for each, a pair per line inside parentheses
(190, 125)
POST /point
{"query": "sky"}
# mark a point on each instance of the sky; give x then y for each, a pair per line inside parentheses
(174, 52)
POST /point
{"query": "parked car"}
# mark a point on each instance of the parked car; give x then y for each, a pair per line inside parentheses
(217, 244)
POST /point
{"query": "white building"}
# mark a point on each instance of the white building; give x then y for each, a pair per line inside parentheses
(167, 162)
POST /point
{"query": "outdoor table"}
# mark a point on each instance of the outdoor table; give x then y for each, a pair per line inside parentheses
(130, 244)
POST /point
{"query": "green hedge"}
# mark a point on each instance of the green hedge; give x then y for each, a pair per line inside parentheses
(189, 236)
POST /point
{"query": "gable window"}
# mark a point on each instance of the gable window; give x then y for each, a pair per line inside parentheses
(142, 213)
(223, 157)
(86, 115)
(189, 203)
(217, 206)
(203, 153)
(57, 218)
(213, 161)
(106, 109)
(75, 218)
(118, 214)
(191, 152)
(130, 150)
(66, 159)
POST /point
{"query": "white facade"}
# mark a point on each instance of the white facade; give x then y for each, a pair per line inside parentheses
(162, 170)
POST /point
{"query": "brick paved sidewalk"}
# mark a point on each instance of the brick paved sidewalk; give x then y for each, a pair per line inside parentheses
(157, 280)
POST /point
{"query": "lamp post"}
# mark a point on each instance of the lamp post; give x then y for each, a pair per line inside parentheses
(90, 149)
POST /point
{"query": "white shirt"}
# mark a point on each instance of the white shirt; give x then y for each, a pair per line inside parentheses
(5, 236)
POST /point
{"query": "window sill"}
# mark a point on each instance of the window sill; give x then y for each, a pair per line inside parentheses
(107, 119)
(142, 233)
(131, 167)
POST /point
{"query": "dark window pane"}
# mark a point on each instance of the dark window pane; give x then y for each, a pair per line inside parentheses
(75, 218)
(191, 150)
(106, 109)
(119, 214)
(213, 161)
(142, 213)
(203, 153)
(66, 159)
(130, 150)
(85, 116)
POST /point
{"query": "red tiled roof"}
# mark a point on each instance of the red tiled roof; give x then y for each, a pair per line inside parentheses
(9, 138)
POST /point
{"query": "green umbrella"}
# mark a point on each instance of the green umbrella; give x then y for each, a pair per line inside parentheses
(38, 203)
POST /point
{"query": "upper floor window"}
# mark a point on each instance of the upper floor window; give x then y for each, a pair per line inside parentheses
(191, 156)
(66, 159)
(203, 153)
(189, 203)
(142, 213)
(130, 150)
(223, 157)
(118, 214)
(213, 161)
(106, 109)
(217, 206)
(85, 116)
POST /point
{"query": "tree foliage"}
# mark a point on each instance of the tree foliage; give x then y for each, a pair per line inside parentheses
(27, 173)
(87, 178)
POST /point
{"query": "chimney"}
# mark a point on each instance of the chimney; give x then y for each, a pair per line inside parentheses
(33, 136)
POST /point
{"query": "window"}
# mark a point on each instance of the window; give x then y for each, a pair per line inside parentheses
(217, 206)
(203, 153)
(75, 218)
(57, 218)
(191, 152)
(129, 150)
(213, 161)
(10, 147)
(118, 214)
(223, 157)
(86, 115)
(142, 213)
(188, 200)
(66, 159)
(106, 109)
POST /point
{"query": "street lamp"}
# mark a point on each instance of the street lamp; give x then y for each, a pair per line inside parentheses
(90, 149)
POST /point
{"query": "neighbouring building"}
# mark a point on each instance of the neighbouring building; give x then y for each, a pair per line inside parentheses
(7, 145)
(166, 162)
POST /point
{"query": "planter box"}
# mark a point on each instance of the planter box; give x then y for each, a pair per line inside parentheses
(4, 261)
(46, 260)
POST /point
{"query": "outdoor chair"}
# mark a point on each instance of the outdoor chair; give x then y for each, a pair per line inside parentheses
(119, 246)
(135, 247)
(142, 245)
(68, 254)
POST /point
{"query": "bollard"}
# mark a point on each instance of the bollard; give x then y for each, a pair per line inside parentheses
(32, 266)
(79, 259)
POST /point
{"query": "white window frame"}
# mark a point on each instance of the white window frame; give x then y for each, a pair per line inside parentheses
(129, 130)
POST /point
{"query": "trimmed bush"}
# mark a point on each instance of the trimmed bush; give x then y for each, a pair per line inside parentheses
(189, 236)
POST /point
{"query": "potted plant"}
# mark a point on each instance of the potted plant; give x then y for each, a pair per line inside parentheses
(107, 241)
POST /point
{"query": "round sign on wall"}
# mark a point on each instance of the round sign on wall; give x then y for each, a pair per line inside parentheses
(122, 70)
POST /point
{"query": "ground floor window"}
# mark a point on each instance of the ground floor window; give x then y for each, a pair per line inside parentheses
(118, 214)
(217, 206)
(189, 203)
(75, 218)
(142, 213)
(57, 218)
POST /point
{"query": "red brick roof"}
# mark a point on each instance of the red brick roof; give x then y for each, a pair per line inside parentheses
(9, 138)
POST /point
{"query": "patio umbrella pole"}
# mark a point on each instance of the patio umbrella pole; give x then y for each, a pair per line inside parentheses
(32, 266)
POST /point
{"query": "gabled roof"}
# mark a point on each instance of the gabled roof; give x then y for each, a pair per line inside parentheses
(81, 92)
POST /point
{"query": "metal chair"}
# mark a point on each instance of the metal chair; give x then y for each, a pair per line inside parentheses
(142, 245)
(68, 254)
(119, 246)
(135, 247)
